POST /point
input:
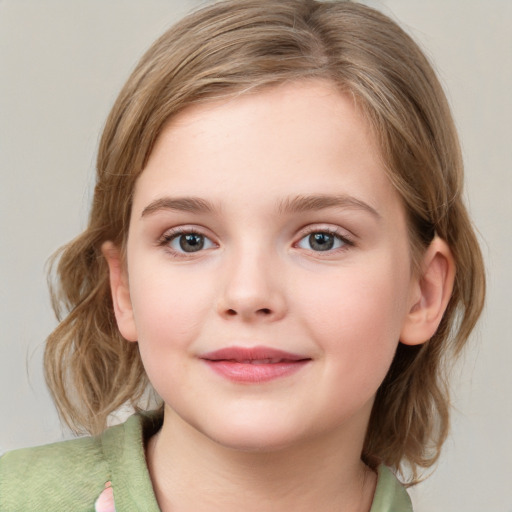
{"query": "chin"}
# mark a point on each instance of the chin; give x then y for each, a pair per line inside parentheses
(264, 436)
(257, 443)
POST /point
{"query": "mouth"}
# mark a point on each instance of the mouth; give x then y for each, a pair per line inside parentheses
(255, 364)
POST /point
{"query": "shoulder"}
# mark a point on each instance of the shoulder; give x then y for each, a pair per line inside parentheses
(69, 473)
(390, 495)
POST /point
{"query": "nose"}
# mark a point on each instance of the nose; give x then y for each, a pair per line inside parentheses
(253, 288)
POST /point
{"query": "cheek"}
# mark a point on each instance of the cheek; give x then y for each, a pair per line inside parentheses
(358, 317)
(168, 320)
(168, 306)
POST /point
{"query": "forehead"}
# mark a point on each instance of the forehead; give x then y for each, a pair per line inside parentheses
(292, 139)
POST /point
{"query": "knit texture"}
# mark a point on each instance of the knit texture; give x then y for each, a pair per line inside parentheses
(71, 475)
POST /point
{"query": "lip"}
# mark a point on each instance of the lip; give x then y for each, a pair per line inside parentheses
(254, 364)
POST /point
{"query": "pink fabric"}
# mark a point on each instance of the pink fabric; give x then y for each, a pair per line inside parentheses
(105, 502)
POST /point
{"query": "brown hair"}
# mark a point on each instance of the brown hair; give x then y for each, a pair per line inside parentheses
(231, 47)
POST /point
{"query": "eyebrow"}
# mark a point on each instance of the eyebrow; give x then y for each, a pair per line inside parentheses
(297, 204)
(304, 203)
(182, 204)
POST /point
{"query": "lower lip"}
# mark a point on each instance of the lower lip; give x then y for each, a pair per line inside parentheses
(254, 373)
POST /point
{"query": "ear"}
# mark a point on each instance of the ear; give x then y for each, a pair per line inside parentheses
(120, 290)
(431, 292)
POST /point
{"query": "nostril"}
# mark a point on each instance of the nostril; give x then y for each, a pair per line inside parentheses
(258, 312)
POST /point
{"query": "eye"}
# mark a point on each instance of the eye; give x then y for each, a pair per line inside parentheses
(188, 242)
(322, 241)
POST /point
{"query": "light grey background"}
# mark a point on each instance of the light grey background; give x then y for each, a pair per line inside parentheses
(62, 64)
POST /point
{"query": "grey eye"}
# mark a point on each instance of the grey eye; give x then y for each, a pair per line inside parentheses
(321, 241)
(190, 242)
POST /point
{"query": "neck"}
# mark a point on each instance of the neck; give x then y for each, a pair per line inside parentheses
(192, 472)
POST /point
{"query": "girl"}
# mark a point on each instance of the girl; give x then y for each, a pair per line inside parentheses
(279, 248)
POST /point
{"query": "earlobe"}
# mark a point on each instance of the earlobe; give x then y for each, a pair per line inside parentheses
(431, 294)
(120, 291)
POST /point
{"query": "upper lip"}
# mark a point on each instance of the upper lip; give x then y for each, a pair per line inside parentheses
(248, 354)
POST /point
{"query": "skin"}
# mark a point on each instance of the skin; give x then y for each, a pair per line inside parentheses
(293, 443)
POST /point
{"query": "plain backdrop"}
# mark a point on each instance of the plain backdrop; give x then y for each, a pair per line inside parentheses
(62, 64)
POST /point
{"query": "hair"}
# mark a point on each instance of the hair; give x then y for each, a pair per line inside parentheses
(235, 47)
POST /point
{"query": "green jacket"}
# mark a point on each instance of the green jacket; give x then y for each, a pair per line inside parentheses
(71, 475)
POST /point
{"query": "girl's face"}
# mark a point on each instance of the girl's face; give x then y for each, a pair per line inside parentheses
(268, 268)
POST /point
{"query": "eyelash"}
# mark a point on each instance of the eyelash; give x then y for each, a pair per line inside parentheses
(173, 234)
(346, 240)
